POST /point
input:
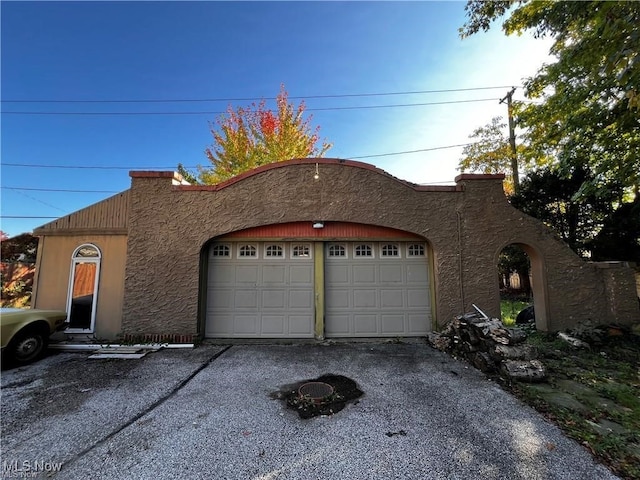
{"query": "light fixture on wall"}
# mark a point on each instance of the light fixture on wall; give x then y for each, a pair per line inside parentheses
(318, 224)
(316, 176)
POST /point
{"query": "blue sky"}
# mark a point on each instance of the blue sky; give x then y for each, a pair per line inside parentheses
(224, 50)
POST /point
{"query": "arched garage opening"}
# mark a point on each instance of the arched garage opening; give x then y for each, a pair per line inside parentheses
(316, 280)
(522, 282)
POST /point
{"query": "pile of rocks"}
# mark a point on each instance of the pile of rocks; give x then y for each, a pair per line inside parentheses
(491, 347)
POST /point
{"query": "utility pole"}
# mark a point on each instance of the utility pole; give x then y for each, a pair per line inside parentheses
(512, 140)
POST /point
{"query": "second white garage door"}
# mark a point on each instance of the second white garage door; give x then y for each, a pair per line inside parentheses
(376, 289)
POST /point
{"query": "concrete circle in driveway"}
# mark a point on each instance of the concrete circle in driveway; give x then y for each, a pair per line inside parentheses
(423, 415)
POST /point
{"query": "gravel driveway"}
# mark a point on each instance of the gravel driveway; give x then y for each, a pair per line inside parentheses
(207, 413)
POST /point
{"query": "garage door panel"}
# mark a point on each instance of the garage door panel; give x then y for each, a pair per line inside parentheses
(253, 296)
(301, 299)
(337, 275)
(221, 275)
(274, 299)
(301, 275)
(220, 298)
(245, 324)
(338, 299)
(364, 298)
(223, 326)
(390, 274)
(417, 274)
(246, 274)
(364, 274)
(417, 298)
(393, 324)
(274, 274)
(338, 324)
(245, 299)
(365, 325)
(391, 298)
(273, 325)
(300, 324)
(416, 322)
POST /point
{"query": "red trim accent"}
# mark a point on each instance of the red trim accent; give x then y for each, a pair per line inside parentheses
(331, 230)
(479, 176)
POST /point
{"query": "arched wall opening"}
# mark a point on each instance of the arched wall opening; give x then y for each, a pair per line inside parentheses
(522, 282)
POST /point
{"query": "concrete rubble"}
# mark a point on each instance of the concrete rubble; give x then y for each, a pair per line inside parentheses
(491, 347)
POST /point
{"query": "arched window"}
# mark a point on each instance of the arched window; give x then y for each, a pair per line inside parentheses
(248, 251)
(363, 250)
(273, 251)
(83, 289)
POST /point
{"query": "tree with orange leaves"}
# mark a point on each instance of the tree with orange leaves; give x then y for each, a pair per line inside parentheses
(246, 138)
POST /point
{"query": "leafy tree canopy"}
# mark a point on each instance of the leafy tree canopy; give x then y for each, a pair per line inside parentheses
(21, 248)
(550, 196)
(589, 97)
(246, 138)
(490, 152)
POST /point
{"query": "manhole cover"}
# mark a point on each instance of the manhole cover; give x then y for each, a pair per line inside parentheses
(325, 395)
(315, 391)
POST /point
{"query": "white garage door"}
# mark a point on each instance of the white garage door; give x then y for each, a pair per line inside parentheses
(260, 289)
(376, 289)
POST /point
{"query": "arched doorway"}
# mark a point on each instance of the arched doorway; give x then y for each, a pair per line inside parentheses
(522, 283)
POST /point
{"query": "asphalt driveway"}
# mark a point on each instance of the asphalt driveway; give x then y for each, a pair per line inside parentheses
(207, 413)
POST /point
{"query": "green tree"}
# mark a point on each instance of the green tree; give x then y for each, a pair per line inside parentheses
(21, 248)
(246, 138)
(588, 114)
(619, 238)
(490, 152)
(552, 197)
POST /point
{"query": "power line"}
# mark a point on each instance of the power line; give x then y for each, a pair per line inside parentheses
(22, 216)
(102, 167)
(194, 100)
(40, 201)
(57, 190)
(415, 151)
(89, 167)
(362, 107)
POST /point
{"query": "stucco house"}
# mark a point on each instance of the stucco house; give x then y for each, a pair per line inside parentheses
(308, 248)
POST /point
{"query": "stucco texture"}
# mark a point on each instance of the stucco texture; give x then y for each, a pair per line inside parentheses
(466, 227)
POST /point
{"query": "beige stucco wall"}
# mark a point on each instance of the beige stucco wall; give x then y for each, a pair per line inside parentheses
(466, 230)
(53, 268)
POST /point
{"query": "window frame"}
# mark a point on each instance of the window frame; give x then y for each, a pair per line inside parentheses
(267, 247)
(76, 259)
(368, 246)
(293, 247)
(343, 248)
(240, 250)
(398, 250)
(422, 246)
(229, 250)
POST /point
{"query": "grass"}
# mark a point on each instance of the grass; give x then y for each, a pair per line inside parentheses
(509, 309)
(610, 371)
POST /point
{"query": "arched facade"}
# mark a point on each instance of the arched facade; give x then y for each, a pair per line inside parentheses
(170, 225)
